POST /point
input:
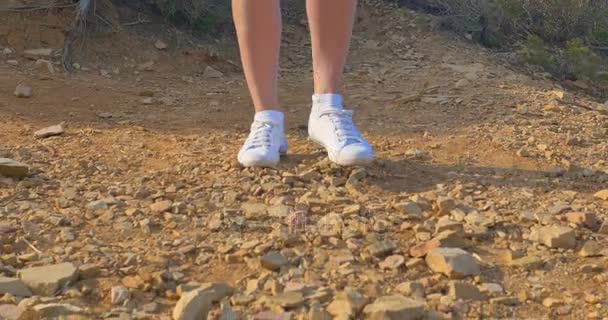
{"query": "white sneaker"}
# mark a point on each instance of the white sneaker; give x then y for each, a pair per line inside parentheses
(334, 129)
(265, 144)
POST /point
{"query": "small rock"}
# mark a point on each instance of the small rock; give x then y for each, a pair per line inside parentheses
(146, 66)
(507, 301)
(585, 219)
(23, 91)
(445, 239)
(381, 248)
(212, 73)
(46, 64)
(409, 208)
(14, 286)
(445, 204)
(88, 271)
(161, 206)
(603, 195)
(38, 53)
(160, 45)
(11, 312)
(330, 225)
(392, 262)
(55, 311)
(151, 307)
(415, 153)
(346, 304)
(492, 288)
(411, 288)
(603, 228)
(395, 307)
(289, 299)
(453, 262)
(195, 304)
(591, 249)
(97, 205)
(13, 169)
(120, 295)
(12, 62)
(552, 302)
(317, 313)
(554, 236)
(51, 131)
(254, 210)
(46, 280)
(464, 291)
(273, 261)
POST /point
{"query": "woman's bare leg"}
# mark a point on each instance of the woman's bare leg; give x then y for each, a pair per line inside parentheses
(331, 27)
(258, 26)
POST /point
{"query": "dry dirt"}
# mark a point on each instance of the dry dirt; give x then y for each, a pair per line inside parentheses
(446, 117)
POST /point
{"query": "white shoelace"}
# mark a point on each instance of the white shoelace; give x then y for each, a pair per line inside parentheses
(260, 135)
(342, 121)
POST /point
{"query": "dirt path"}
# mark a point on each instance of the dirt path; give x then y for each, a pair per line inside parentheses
(458, 134)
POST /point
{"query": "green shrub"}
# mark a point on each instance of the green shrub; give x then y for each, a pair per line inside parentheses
(558, 35)
(535, 52)
(203, 15)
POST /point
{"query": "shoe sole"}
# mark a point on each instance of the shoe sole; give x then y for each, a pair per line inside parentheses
(346, 164)
(282, 152)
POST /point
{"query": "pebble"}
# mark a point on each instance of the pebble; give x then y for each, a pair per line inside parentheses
(13, 169)
(411, 288)
(602, 195)
(119, 295)
(89, 270)
(585, 219)
(56, 311)
(51, 131)
(11, 312)
(38, 53)
(392, 262)
(273, 261)
(410, 208)
(381, 248)
(161, 206)
(317, 312)
(552, 302)
(346, 304)
(465, 291)
(453, 262)
(160, 45)
(212, 73)
(395, 307)
(23, 91)
(330, 225)
(289, 299)
(46, 280)
(591, 248)
(195, 304)
(554, 236)
(14, 286)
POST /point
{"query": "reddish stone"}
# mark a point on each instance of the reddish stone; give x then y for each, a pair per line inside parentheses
(585, 219)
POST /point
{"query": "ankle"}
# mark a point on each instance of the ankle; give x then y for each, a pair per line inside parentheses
(327, 101)
(272, 116)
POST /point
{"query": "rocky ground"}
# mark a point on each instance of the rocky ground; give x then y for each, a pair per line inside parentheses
(121, 198)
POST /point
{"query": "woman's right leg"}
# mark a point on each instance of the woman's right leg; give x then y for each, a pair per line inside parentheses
(258, 26)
